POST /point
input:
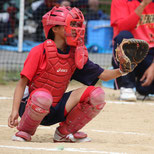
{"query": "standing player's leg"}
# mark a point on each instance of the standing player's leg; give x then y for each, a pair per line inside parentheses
(140, 69)
(83, 105)
(37, 108)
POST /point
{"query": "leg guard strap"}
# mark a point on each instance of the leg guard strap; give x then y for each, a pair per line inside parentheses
(91, 103)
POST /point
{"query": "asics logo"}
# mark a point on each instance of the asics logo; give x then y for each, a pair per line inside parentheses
(62, 70)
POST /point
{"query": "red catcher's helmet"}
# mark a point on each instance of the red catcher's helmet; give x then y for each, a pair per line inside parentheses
(71, 18)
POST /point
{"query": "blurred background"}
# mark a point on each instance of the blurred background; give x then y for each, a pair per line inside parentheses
(21, 29)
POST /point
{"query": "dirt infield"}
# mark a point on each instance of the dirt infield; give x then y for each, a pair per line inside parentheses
(122, 127)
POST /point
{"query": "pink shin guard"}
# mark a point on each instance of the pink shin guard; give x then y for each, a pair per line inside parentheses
(37, 108)
(91, 103)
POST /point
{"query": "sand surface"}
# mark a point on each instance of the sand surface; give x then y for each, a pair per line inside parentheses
(121, 127)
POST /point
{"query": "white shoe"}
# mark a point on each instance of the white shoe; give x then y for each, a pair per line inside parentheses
(127, 94)
(58, 137)
(142, 97)
(21, 136)
(17, 138)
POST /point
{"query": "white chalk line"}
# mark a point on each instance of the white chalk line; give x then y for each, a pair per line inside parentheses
(98, 131)
(111, 102)
(85, 150)
(124, 133)
(129, 103)
(5, 98)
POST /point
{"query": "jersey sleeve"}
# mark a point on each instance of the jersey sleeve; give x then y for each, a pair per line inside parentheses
(31, 63)
(121, 17)
(89, 74)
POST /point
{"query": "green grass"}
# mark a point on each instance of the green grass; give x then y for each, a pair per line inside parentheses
(7, 76)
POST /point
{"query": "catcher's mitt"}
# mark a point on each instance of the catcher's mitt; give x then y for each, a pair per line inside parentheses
(130, 53)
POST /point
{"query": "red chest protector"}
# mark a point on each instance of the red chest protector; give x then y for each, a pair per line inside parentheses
(58, 72)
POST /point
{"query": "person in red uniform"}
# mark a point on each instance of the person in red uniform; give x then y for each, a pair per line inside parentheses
(47, 71)
(148, 76)
(133, 19)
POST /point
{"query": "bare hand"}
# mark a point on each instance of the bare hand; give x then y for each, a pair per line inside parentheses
(13, 119)
(146, 2)
(148, 76)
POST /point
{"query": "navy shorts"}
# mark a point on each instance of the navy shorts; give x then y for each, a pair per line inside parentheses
(56, 114)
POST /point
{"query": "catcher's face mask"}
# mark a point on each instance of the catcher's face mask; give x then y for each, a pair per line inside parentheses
(75, 28)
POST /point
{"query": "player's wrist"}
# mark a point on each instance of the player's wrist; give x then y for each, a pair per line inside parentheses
(122, 73)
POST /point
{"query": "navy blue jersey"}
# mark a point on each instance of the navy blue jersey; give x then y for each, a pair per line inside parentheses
(89, 74)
